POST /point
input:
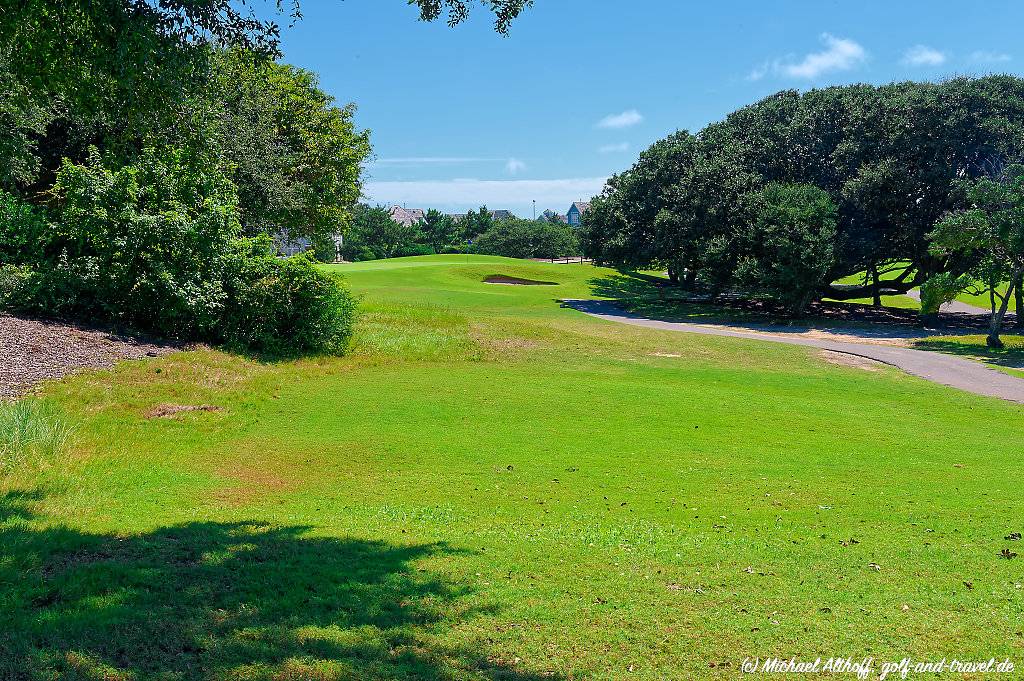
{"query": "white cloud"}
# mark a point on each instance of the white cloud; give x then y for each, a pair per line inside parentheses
(760, 72)
(514, 166)
(987, 57)
(613, 148)
(626, 119)
(922, 55)
(840, 54)
(463, 194)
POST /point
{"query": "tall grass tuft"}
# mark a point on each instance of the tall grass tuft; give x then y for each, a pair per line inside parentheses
(31, 430)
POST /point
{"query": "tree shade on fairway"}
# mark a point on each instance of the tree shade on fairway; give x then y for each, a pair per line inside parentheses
(493, 486)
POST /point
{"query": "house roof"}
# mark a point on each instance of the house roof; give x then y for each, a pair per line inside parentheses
(406, 216)
(581, 206)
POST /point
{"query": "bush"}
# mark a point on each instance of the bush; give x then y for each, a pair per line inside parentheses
(939, 289)
(791, 243)
(155, 246)
(14, 285)
(282, 307)
(516, 238)
(414, 249)
(23, 231)
(145, 245)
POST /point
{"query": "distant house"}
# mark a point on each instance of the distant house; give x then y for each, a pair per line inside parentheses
(457, 217)
(574, 216)
(289, 246)
(552, 215)
(406, 216)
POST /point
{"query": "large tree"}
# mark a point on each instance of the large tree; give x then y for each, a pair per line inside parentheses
(519, 238)
(120, 74)
(295, 156)
(889, 157)
(439, 230)
(991, 233)
(375, 235)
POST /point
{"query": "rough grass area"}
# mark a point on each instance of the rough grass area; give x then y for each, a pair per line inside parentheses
(492, 486)
(31, 431)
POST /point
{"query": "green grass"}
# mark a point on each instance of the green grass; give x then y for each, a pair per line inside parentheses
(30, 431)
(901, 302)
(493, 486)
(1009, 359)
(982, 301)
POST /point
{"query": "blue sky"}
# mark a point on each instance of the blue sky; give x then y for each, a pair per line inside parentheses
(463, 116)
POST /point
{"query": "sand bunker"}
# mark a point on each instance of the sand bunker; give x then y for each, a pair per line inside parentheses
(516, 281)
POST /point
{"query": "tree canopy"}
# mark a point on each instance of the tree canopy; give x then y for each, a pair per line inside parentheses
(990, 233)
(295, 157)
(890, 158)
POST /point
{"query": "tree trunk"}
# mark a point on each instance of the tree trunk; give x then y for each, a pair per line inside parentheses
(673, 276)
(800, 308)
(690, 280)
(1019, 302)
(996, 322)
(876, 297)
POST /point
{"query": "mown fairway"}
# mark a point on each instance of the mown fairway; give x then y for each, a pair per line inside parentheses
(492, 486)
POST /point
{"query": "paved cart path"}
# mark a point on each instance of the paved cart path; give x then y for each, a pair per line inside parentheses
(948, 370)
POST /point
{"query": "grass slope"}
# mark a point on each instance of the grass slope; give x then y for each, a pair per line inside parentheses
(492, 486)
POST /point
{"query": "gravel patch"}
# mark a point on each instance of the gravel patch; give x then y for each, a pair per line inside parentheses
(33, 351)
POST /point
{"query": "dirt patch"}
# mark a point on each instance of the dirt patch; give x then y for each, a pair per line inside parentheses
(665, 354)
(164, 411)
(843, 359)
(34, 351)
(516, 281)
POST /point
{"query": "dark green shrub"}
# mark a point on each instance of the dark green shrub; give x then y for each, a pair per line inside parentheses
(14, 285)
(23, 231)
(790, 243)
(145, 245)
(414, 249)
(517, 238)
(282, 307)
(155, 246)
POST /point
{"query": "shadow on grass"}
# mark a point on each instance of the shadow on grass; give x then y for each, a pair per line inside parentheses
(652, 297)
(973, 346)
(626, 284)
(222, 600)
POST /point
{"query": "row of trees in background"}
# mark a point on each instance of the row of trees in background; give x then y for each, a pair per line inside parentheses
(791, 194)
(375, 235)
